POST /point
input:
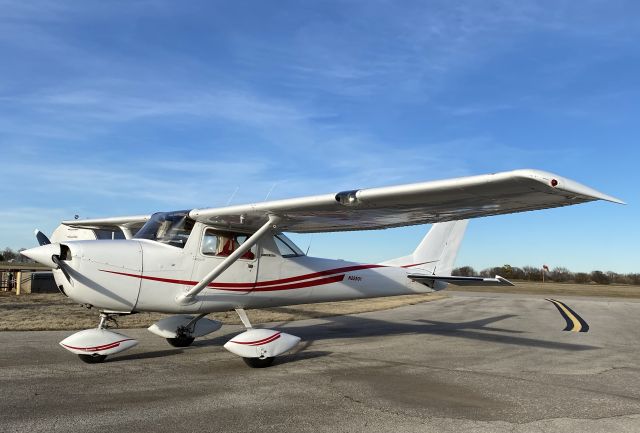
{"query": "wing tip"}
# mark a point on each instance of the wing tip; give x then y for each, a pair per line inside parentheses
(555, 181)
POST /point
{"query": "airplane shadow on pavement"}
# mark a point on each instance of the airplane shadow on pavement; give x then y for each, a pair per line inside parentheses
(345, 327)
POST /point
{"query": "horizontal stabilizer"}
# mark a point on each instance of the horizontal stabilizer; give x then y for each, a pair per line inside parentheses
(461, 281)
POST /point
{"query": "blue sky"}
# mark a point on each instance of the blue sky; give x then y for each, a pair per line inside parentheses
(116, 108)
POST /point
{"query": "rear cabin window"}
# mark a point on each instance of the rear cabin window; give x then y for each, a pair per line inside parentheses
(115, 233)
(286, 247)
(217, 243)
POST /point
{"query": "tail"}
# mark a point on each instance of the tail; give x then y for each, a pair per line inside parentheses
(437, 252)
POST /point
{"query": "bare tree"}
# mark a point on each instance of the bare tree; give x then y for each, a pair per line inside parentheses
(464, 271)
(600, 277)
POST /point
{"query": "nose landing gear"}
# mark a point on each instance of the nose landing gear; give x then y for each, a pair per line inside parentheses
(94, 345)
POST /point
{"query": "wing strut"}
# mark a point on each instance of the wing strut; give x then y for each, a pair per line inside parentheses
(189, 297)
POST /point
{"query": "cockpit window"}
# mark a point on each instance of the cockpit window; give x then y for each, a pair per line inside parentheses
(171, 228)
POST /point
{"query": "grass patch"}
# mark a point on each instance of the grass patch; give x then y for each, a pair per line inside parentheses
(53, 311)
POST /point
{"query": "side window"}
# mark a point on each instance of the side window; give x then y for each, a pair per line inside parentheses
(210, 243)
(114, 233)
(222, 244)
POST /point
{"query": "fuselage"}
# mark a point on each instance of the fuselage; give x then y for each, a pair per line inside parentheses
(146, 275)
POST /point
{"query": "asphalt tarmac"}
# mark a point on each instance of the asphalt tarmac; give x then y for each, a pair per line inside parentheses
(473, 362)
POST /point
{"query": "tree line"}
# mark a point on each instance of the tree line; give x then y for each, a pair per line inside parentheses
(10, 256)
(528, 273)
(558, 275)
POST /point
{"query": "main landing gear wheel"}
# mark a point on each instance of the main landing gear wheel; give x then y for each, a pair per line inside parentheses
(259, 362)
(181, 341)
(92, 359)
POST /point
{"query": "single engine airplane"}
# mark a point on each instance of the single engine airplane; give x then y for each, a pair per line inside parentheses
(194, 262)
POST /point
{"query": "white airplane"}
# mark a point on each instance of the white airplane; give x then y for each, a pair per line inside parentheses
(195, 262)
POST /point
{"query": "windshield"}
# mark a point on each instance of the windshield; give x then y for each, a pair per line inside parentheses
(172, 228)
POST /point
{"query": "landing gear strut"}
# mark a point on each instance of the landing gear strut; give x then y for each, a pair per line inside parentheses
(184, 334)
(94, 345)
(94, 358)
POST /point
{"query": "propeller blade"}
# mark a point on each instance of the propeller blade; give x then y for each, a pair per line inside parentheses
(62, 266)
(42, 238)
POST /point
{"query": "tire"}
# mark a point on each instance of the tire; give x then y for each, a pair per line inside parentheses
(92, 359)
(181, 341)
(258, 363)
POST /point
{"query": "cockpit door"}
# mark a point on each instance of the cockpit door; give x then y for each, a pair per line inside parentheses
(214, 247)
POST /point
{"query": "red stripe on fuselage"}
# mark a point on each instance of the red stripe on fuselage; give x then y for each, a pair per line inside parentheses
(418, 264)
(263, 286)
(318, 282)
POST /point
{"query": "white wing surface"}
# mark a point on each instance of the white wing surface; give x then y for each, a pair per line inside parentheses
(132, 222)
(417, 203)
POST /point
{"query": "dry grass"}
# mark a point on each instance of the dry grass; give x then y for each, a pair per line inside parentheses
(52, 311)
(558, 289)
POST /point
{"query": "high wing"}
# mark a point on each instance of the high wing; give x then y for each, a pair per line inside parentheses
(410, 204)
(128, 224)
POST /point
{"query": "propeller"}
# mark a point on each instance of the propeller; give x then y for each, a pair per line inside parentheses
(42, 238)
(62, 266)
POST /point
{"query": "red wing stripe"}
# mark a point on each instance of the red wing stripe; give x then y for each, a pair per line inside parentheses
(259, 342)
(97, 348)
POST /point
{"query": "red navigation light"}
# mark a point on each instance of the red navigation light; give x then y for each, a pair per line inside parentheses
(554, 182)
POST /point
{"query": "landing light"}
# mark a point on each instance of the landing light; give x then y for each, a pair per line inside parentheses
(347, 198)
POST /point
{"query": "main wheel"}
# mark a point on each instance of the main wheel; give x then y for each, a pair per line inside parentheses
(181, 341)
(92, 359)
(259, 363)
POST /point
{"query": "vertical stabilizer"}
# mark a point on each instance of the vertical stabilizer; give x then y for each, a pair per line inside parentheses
(441, 246)
(438, 250)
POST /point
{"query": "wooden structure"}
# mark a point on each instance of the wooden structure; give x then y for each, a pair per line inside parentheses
(25, 278)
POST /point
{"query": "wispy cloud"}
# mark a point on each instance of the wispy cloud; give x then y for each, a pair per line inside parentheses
(107, 111)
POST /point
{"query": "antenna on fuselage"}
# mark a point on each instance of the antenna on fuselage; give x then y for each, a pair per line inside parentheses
(309, 246)
(232, 195)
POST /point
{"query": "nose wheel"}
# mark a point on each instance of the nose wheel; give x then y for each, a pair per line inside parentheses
(92, 359)
(94, 345)
(259, 362)
(106, 321)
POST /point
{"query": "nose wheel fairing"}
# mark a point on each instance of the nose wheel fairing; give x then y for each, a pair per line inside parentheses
(97, 342)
